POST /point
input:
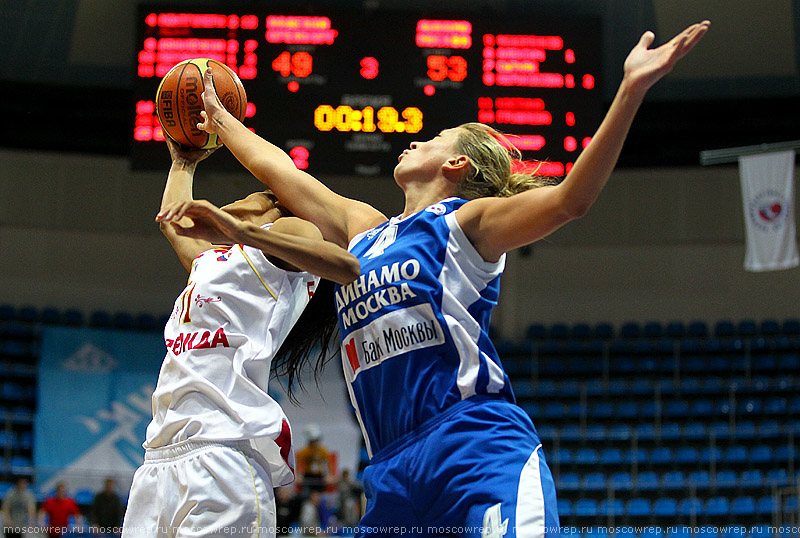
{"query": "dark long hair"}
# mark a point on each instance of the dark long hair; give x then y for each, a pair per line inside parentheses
(308, 344)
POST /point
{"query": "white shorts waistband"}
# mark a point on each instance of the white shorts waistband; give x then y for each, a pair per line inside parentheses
(187, 448)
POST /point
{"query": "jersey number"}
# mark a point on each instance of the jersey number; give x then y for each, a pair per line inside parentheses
(385, 239)
(493, 524)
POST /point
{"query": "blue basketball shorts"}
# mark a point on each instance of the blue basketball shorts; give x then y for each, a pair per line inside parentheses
(477, 470)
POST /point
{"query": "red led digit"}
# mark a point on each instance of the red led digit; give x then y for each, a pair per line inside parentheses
(302, 64)
(458, 68)
(437, 67)
(369, 67)
(283, 63)
(299, 155)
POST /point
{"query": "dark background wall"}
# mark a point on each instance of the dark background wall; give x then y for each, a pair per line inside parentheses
(665, 241)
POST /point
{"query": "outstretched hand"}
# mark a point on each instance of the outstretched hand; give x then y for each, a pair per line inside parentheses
(212, 106)
(204, 221)
(645, 66)
(188, 155)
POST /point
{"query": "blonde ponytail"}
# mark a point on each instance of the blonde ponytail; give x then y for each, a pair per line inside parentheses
(491, 154)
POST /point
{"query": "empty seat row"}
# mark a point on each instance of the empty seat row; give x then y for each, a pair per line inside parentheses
(721, 431)
(651, 481)
(735, 455)
(640, 507)
(672, 329)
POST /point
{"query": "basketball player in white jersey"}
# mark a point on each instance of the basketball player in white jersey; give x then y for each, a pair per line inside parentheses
(218, 443)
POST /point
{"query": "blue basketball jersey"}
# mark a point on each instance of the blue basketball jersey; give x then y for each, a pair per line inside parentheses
(415, 324)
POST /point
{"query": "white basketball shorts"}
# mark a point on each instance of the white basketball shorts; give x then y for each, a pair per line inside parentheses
(201, 489)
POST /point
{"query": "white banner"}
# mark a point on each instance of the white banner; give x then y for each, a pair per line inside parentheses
(768, 195)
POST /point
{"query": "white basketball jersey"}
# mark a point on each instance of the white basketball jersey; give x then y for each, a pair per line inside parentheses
(226, 327)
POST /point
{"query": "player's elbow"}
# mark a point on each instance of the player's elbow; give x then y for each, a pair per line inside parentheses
(350, 269)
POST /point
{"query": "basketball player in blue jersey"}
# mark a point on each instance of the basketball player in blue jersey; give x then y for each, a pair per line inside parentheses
(451, 452)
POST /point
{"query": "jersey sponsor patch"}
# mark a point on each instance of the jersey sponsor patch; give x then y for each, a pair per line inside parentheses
(391, 335)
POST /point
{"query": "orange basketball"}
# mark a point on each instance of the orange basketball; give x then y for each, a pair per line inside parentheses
(179, 101)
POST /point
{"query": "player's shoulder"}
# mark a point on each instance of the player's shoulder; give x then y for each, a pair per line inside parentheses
(296, 226)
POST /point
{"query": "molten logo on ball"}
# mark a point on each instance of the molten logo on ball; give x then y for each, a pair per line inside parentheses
(179, 100)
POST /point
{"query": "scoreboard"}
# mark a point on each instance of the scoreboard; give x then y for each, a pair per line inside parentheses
(347, 92)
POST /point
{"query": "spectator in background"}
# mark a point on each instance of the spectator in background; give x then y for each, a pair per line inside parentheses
(58, 510)
(106, 513)
(19, 509)
(287, 509)
(349, 499)
(314, 471)
(315, 516)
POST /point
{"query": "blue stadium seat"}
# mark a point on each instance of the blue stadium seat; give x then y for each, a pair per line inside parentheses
(122, 320)
(653, 329)
(699, 480)
(594, 481)
(585, 508)
(647, 481)
(619, 432)
(562, 456)
(675, 329)
(791, 327)
(776, 477)
(601, 410)
(581, 330)
(50, 316)
(586, 456)
(101, 319)
(564, 507)
(536, 331)
(611, 456)
(604, 330)
(638, 507)
(766, 505)
(661, 455)
(676, 409)
(73, 317)
(769, 327)
(621, 480)
(717, 507)
(665, 507)
(670, 431)
(743, 506)
(693, 431)
(726, 479)
(751, 478)
(569, 482)
(724, 328)
(697, 329)
(630, 329)
(686, 455)
(747, 328)
(571, 432)
(690, 507)
(735, 455)
(709, 455)
(608, 507)
(672, 480)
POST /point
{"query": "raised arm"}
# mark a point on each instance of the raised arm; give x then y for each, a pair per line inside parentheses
(338, 218)
(294, 241)
(179, 189)
(497, 225)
